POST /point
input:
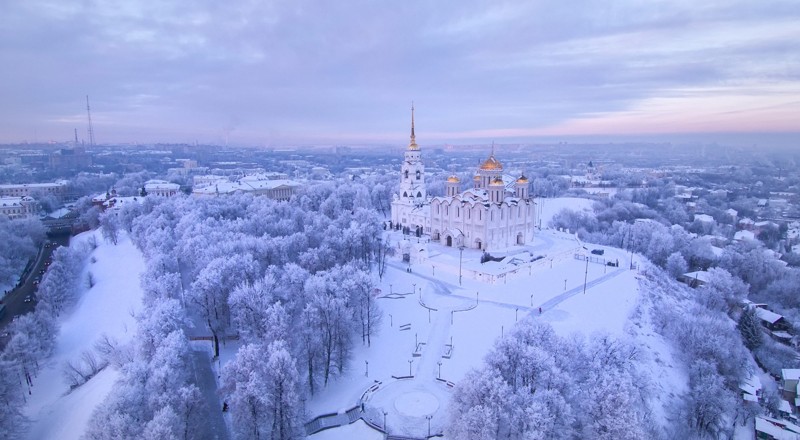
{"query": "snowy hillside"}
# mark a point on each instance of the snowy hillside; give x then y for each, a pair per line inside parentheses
(107, 308)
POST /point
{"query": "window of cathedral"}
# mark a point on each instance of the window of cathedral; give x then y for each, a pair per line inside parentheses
(419, 194)
(405, 174)
(418, 174)
(405, 194)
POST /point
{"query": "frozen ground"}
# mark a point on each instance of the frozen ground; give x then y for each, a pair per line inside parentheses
(107, 308)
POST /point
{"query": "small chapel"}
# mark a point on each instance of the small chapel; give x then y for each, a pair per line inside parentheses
(497, 212)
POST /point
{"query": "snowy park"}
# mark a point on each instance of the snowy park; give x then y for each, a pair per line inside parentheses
(436, 329)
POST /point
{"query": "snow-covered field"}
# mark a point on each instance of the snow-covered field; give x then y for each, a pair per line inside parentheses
(107, 308)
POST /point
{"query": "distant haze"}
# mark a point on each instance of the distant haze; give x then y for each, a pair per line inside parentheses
(301, 73)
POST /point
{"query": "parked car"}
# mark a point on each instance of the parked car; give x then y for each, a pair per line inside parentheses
(598, 251)
(28, 298)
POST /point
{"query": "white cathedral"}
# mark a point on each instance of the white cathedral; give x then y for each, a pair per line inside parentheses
(493, 214)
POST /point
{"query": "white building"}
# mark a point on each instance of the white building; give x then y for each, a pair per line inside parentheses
(259, 184)
(58, 189)
(17, 207)
(161, 188)
(495, 213)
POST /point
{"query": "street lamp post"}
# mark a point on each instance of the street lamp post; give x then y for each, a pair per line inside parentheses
(565, 285)
(414, 290)
(366, 372)
(429, 417)
(384, 420)
(460, 258)
(477, 298)
(440, 370)
(516, 314)
(391, 320)
(410, 361)
(531, 300)
(586, 275)
(390, 289)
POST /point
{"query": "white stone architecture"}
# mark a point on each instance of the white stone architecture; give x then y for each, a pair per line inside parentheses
(496, 213)
(258, 184)
(161, 188)
(58, 189)
(17, 207)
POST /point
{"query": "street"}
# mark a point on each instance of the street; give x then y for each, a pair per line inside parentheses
(15, 300)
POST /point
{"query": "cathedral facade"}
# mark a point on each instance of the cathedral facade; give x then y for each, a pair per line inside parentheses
(495, 213)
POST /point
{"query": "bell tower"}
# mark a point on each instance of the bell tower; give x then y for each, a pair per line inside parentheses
(412, 172)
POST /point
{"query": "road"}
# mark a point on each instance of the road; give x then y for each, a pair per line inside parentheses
(15, 300)
(213, 424)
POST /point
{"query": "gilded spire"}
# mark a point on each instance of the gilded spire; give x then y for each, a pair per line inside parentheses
(413, 144)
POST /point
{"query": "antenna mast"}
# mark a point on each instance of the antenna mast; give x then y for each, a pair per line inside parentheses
(91, 130)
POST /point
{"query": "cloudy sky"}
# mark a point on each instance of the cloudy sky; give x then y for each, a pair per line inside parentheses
(321, 72)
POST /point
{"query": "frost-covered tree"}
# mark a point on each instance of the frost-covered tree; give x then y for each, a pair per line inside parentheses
(676, 265)
(211, 289)
(261, 385)
(110, 226)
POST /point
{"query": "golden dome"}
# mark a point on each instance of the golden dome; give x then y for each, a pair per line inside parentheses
(476, 178)
(522, 179)
(453, 179)
(491, 164)
(497, 182)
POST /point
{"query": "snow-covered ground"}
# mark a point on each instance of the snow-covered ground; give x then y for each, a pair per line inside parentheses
(107, 308)
(427, 310)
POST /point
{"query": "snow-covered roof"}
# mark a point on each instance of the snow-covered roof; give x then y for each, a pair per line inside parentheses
(746, 221)
(784, 406)
(768, 316)
(749, 397)
(699, 275)
(744, 235)
(732, 212)
(57, 184)
(704, 218)
(790, 374)
(160, 184)
(244, 184)
(14, 201)
(751, 385)
(778, 429)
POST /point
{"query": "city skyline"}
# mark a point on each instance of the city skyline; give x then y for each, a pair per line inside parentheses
(303, 73)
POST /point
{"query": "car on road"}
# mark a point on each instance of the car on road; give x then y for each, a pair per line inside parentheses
(598, 251)
(28, 298)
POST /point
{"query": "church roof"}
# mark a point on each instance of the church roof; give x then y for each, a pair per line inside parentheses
(491, 164)
(497, 182)
(522, 179)
(453, 179)
(412, 145)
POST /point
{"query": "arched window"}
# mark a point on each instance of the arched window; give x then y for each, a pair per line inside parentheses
(418, 174)
(405, 194)
(419, 194)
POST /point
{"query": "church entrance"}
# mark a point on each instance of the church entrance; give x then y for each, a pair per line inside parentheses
(448, 241)
(520, 239)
